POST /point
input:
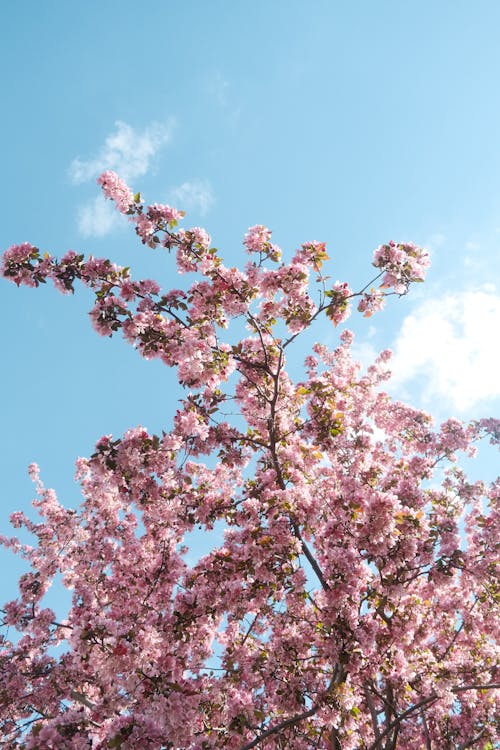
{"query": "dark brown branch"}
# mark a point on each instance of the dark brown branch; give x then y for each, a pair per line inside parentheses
(279, 476)
(400, 718)
(428, 743)
(278, 727)
(471, 742)
(424, 702)
(310, 557)
(489, 686)
(373, 714)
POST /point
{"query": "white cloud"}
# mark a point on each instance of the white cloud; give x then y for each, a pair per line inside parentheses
(129, 153)
(97, 217)
(364, 352)
(193, 195)
(451, 346)
(126, 151)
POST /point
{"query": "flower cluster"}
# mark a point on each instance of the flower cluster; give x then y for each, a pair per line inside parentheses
(371, 302)
(352, 600)
(22, 264)
(338, 309)
(117, 190)
(258, 240)
(312, 253)
(402, 264)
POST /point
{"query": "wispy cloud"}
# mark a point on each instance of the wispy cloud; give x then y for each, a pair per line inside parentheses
(193, 195)
(364, 352)
(97, 218)
(450, 345)
(127, 151)
(131, 153)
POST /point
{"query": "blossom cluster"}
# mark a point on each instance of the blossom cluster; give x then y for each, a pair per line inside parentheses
(352, 601)
(116, 190)
(371, 302)
(402, 264)
(258, 240)
(340, 294)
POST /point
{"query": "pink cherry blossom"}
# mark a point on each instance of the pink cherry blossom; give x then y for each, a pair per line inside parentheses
(116, 190)
(346, 593)
(371, 302)
(403, 263)
(257, 238)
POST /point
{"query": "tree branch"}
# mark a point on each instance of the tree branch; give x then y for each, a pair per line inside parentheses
(278, 727)
(471, 742)
(424, 702)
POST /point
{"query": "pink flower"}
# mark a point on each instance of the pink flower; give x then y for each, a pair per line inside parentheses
(337, 575)
(165, 213)
(312, 253)
(145, 227)
(371, 302)
(200, 237)
(258, 240)
(339, 309)
(116, 190)
(403, 264)
(17, 263)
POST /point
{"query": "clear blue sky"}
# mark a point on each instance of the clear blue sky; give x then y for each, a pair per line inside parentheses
(348, 122)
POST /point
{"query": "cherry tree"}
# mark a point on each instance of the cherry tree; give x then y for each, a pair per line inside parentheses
(353, 604)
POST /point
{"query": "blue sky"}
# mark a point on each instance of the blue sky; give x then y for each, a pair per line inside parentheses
(347, 122)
